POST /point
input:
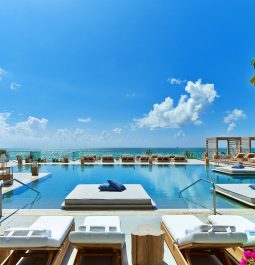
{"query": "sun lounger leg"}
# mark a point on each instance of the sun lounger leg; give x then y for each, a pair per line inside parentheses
(187, 255)
(224, 257)
(50, 257)
(118, 257)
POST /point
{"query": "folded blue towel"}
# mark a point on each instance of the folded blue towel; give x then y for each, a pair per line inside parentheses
(252, 186)
(117, 186)
(106, 187)
(238, 166)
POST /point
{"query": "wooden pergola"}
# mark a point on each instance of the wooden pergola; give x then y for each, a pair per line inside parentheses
(247, 144)
(234, 145)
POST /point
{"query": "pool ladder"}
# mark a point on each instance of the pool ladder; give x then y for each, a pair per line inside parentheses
(213, 188)
(3, 184)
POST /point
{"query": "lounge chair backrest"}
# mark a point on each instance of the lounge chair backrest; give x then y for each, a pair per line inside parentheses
(250, 155)
(240, 155)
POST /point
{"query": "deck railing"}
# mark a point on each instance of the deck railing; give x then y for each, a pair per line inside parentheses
(3, 184)
(213, 188)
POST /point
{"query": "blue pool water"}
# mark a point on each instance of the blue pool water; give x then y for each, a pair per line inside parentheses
(161, 182)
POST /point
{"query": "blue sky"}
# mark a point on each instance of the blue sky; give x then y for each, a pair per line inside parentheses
(88, 73)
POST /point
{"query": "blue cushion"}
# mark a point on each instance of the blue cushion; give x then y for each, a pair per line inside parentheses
(252, 186)
(117, 186)
(106, 187)
(238, 166)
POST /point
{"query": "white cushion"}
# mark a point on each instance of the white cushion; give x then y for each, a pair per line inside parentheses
(97, 230)
(178, 225)
(59, 227)
(242, 225)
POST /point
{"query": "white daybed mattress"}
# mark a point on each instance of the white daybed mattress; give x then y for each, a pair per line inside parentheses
(235, 171)
(240, 192)
(89, 196)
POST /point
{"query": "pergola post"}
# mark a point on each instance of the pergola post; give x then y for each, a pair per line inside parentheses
(217, 148)
(228, 148)
(249, 145)
(206, 144)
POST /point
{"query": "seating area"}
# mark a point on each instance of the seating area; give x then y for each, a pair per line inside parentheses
(219, 239)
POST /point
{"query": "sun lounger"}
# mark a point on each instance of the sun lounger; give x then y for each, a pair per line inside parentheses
(144, 159)
(98, 235)
(238, 157)
(163, 159)
(187, 236)
(107, 159)
(46, 237)
(242, 225)
(154, 157)
(127, 159)
(89, 158)
(179, 159)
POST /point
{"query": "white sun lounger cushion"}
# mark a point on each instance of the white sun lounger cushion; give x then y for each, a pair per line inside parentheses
(99, 229)
(59, 227)
(178, 225)
(242, 225)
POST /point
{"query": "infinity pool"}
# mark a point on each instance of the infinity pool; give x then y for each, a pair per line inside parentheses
(161, 182)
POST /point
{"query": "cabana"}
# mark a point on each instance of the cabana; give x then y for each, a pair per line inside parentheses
(234, 145)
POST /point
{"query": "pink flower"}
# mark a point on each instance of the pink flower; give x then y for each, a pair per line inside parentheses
(248, 257)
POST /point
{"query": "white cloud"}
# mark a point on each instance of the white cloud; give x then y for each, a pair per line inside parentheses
(14, 86)
(84, 120)
(188, 109)
(232, 117)
(3, 73)
(32, 131)
(117, 130)
(180, 134)
(33, 127)
(176, 81)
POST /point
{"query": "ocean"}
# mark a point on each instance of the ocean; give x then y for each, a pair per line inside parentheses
(75, 154)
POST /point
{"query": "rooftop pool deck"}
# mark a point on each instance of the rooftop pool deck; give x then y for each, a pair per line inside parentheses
(163, 183)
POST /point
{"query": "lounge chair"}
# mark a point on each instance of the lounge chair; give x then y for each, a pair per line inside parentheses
(154, 157)
(242, 225)
(97, 236)
(89, 158)
(144, 159)
(163, 159)
(187, 236)
(127, 159)
(108, 159)
(250, 157)
(46, 237)
(238, 157)
(179, 159)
